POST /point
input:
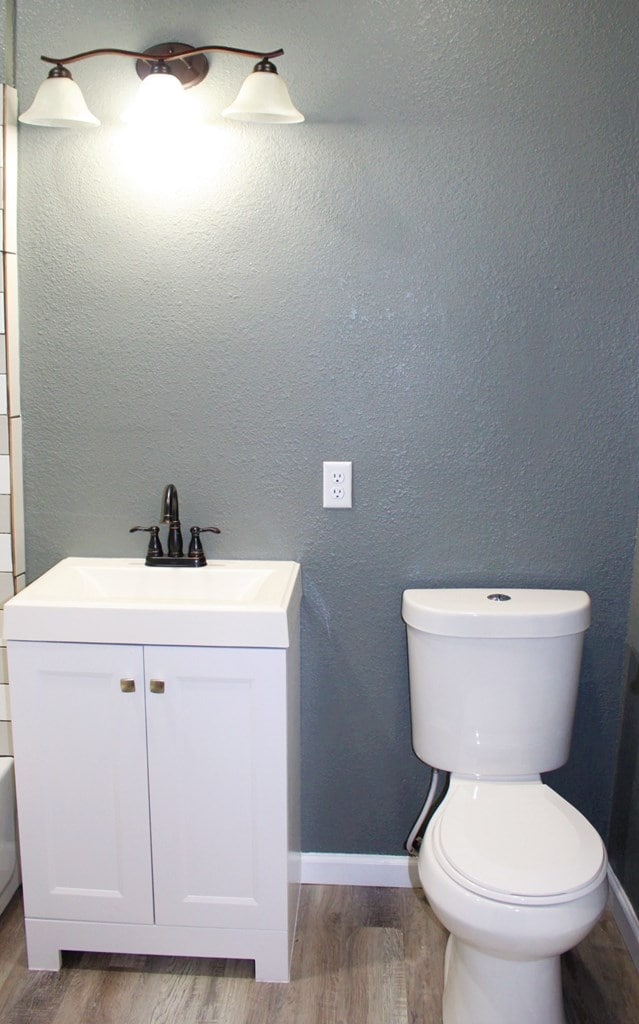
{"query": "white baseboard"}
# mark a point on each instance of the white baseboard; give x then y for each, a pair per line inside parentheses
(359, 869)
(625, 916)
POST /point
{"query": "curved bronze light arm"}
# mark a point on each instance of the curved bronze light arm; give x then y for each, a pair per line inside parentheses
(191, 52)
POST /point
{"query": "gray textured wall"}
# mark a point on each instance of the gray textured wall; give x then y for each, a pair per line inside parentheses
(624, 831)
(3, 41)
(7, 40)
(435, 277)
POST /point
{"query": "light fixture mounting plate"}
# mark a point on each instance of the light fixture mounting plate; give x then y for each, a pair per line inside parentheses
(191, 70)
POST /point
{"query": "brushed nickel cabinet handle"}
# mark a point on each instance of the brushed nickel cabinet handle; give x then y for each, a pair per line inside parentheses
(157, 686)
(127, 685)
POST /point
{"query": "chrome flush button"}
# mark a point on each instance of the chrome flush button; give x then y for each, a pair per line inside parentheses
(498, 597)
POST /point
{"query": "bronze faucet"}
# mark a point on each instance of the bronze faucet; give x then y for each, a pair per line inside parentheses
(170, 514)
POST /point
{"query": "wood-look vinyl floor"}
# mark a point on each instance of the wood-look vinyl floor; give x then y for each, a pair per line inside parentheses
(362, 956)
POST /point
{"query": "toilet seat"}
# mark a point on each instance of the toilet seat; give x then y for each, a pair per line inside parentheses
(517, 842)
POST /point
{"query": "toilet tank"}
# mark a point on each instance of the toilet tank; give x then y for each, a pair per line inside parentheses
(494, 677)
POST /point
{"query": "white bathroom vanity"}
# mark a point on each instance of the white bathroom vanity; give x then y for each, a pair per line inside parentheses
(158, 781)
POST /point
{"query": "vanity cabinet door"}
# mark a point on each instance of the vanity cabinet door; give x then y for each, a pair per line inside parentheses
(80, 748)
(216, 721)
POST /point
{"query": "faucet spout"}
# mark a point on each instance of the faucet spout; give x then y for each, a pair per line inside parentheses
(170, 513)
(170, 504)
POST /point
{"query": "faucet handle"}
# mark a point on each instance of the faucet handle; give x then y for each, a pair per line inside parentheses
(154, 549)
(195, 547)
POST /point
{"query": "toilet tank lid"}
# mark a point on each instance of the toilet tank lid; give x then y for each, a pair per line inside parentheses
(497, 612)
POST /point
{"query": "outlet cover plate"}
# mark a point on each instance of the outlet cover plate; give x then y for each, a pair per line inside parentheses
(337, 484)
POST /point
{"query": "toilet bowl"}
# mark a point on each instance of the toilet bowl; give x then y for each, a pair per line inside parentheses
(518, 877)
(9, 866)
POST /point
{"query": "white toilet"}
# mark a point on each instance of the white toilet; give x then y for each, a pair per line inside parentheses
(513, 871)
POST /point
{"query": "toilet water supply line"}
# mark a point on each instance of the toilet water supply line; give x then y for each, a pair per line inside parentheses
(412, 845)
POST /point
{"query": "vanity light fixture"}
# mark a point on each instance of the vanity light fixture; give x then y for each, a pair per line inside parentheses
(166, 71)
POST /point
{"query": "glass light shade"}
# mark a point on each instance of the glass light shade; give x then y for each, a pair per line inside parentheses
(59, 103)
(263, 99)
(161, 102)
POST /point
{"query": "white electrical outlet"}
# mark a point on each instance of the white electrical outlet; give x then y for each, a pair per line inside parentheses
(338, 484)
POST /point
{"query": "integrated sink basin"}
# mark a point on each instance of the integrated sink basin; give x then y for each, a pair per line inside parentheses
(121, 600)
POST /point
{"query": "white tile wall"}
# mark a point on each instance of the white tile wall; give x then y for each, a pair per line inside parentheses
(11, 502)
(6, 743)
(17, 495)
(6, 555)
(5, 474)
(10, 261)
(10, 185)
(5, 704)
(6, 586)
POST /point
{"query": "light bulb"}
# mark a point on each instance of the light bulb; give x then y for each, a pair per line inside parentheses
(161, 102)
